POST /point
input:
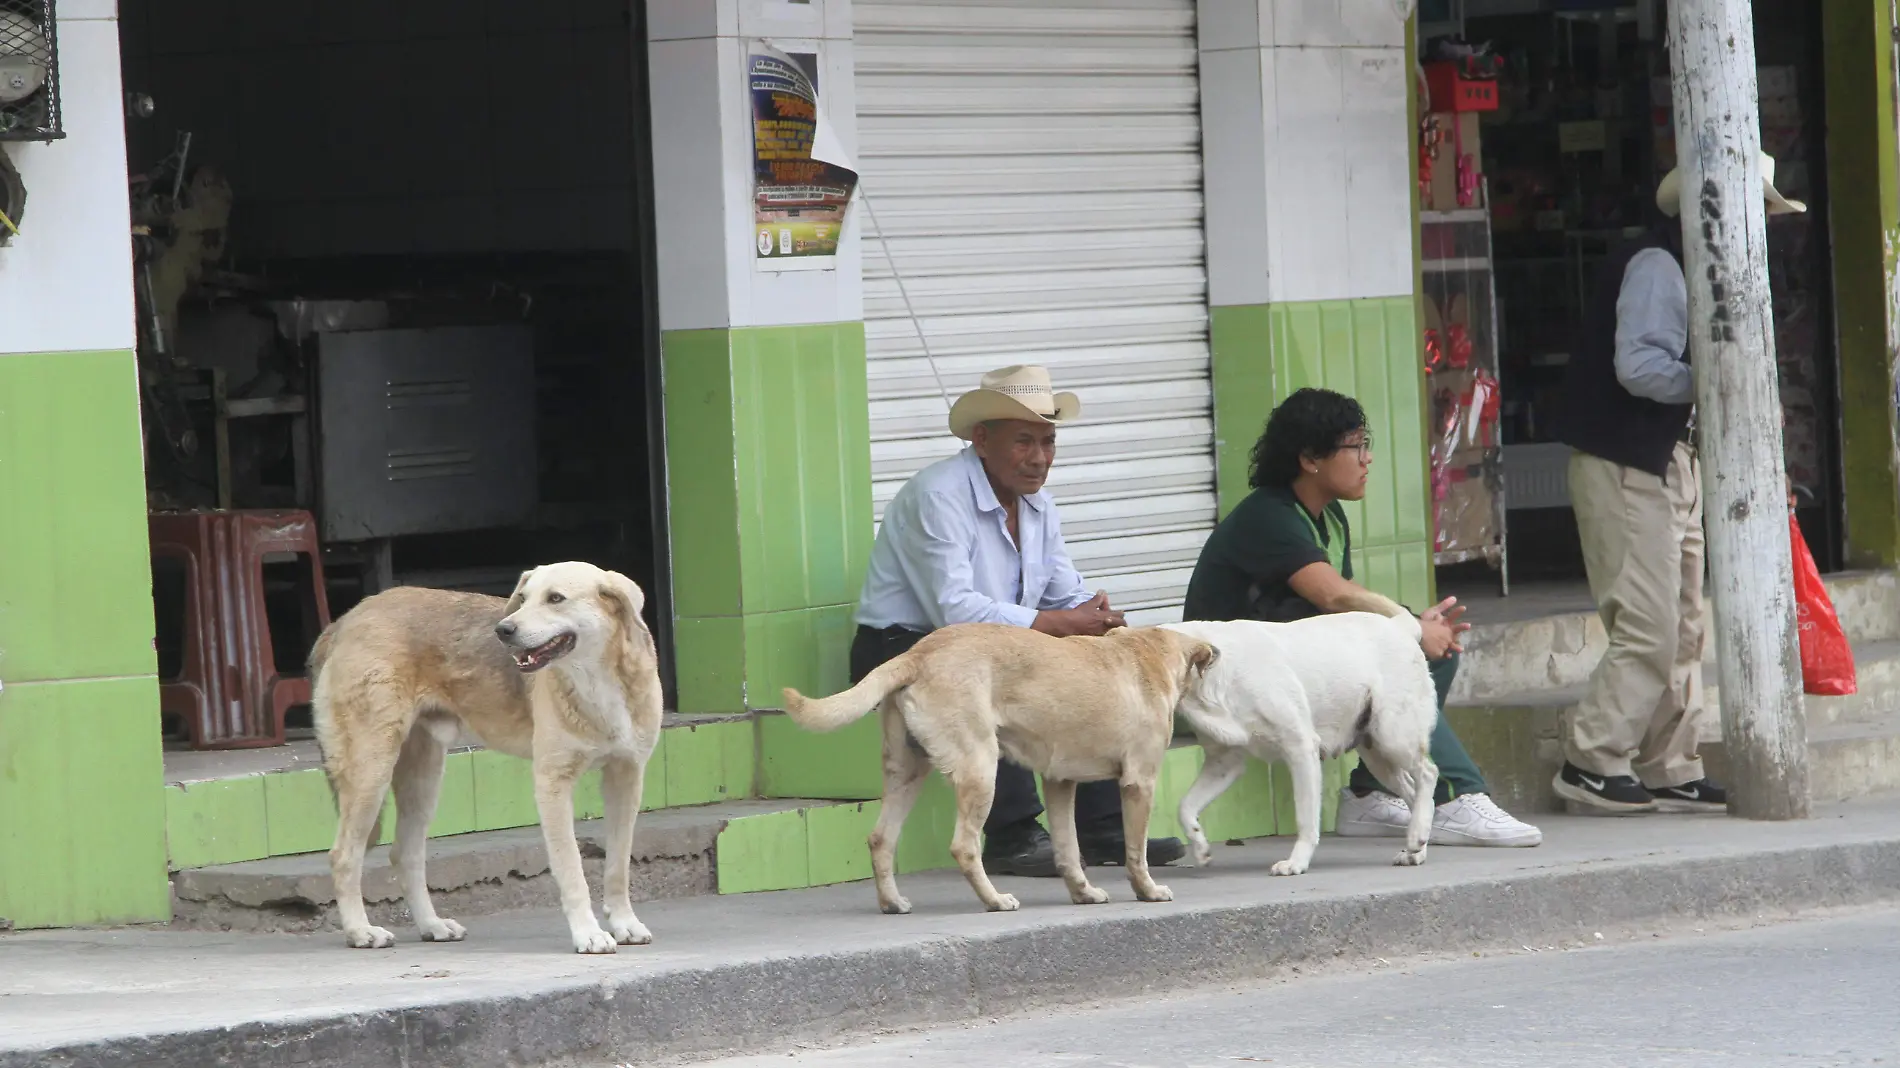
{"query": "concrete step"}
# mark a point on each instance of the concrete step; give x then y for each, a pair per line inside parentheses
(1559, 651)
(675, 855)
(228, 806)
(1853, 741)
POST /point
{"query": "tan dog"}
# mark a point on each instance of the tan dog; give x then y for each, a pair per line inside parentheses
(1071, 709)
(563, 673)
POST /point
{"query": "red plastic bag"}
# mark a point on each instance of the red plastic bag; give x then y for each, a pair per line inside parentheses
(1827, 662)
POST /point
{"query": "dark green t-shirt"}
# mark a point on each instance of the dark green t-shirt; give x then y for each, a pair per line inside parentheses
(1244, 567)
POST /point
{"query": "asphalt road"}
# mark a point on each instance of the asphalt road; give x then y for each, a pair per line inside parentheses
(1818, 992)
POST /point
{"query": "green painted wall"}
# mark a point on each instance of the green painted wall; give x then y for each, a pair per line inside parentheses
(769, 496)
(82, 816)
(1365, 348)
(1864, 218)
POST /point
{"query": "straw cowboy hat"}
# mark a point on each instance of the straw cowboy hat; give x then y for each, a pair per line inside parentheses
(1020, 392)
(1669, 193)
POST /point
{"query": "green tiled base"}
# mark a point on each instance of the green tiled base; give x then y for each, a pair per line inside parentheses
(845, 765)
(75, 566)
(825, 843)
(81, 827)
(708, 763)
(81, 830)
(1370, 350)
(281, 813)
(769, 495)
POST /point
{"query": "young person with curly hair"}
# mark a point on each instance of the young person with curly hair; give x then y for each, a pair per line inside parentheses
(1285, 553)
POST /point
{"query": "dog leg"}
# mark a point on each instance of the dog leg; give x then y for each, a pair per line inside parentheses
(554, 775)
(360, 789)
(1418, 833)
(1138, 802)
(418, 786)
(620, 785)
(1304, 766)
(1059, 796)
(975, 784)
(904, 773)
(1222, 766)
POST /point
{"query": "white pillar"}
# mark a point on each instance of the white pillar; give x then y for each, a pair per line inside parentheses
(1738, 407)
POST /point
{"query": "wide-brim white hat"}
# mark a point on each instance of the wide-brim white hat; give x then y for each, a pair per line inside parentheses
(1669, 193)
(1019, 392)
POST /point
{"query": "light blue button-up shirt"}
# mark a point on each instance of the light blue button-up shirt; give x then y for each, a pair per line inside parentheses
(943, 555)
(1652, 329)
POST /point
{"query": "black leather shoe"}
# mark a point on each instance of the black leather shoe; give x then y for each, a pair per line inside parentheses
(1025, 851)
(1108, 849)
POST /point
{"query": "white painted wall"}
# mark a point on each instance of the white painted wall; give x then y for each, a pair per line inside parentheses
(702, 130)
(66, 280)
(1306, 149)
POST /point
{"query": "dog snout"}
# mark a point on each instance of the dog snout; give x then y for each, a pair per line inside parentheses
(505, 629)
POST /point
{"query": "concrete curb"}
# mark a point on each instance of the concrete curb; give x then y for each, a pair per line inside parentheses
(952, 979)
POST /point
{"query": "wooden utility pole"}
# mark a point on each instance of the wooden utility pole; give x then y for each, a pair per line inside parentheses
(1738, 405)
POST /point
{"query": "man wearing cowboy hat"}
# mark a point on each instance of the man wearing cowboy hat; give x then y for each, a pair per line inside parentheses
(1628, 414)
(974, 539)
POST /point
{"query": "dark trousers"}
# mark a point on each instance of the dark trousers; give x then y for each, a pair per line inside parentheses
(1098, 805)
(1457, 772)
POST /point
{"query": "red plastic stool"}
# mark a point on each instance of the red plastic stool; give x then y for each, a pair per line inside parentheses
(228, 692)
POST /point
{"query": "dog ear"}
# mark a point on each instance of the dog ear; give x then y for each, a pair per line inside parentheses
(1203, 656)
(516, 598)
(623, 599)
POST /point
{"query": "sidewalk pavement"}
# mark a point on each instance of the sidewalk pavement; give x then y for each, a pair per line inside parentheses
(763, 970)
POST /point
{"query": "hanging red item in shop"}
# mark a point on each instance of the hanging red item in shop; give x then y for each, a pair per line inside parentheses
(1459, 339)
(1431, 134)
(1486, 399)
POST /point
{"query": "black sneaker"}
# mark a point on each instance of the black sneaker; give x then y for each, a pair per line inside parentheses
(1702, 795)
(1020, 850)
(1103, 850)
(1606, 793)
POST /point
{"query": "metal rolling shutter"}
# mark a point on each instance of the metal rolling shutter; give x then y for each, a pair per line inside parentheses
(1037, 169)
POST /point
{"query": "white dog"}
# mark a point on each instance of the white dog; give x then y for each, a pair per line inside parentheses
(1308, 691)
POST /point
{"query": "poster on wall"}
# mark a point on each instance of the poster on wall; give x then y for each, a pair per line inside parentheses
(802, 182)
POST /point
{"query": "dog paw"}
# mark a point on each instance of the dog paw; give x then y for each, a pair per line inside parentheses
(1089, 895)
(629, 932)
(1006, 903)
(369, 938)
(1287, 867)
(1203, 856)
(443, 931)
(1156, 893)
(595, 941)
(1409, 859)
(896, 907)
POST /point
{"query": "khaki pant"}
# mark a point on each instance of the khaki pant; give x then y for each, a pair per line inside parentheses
(1642, 547)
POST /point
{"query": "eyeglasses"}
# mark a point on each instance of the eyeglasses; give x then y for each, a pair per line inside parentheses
(1362, 447)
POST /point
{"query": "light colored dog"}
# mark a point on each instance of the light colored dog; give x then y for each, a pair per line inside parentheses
(1071, 709)
(562, 673)
(1308, 691)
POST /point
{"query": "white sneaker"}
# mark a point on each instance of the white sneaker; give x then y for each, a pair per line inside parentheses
(1375, 815)
(1476, 820)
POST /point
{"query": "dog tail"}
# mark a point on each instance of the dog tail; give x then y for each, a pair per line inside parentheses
(830, 713)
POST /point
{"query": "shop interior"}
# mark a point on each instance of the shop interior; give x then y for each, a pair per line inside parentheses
(393, 269)
(1530, 181)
